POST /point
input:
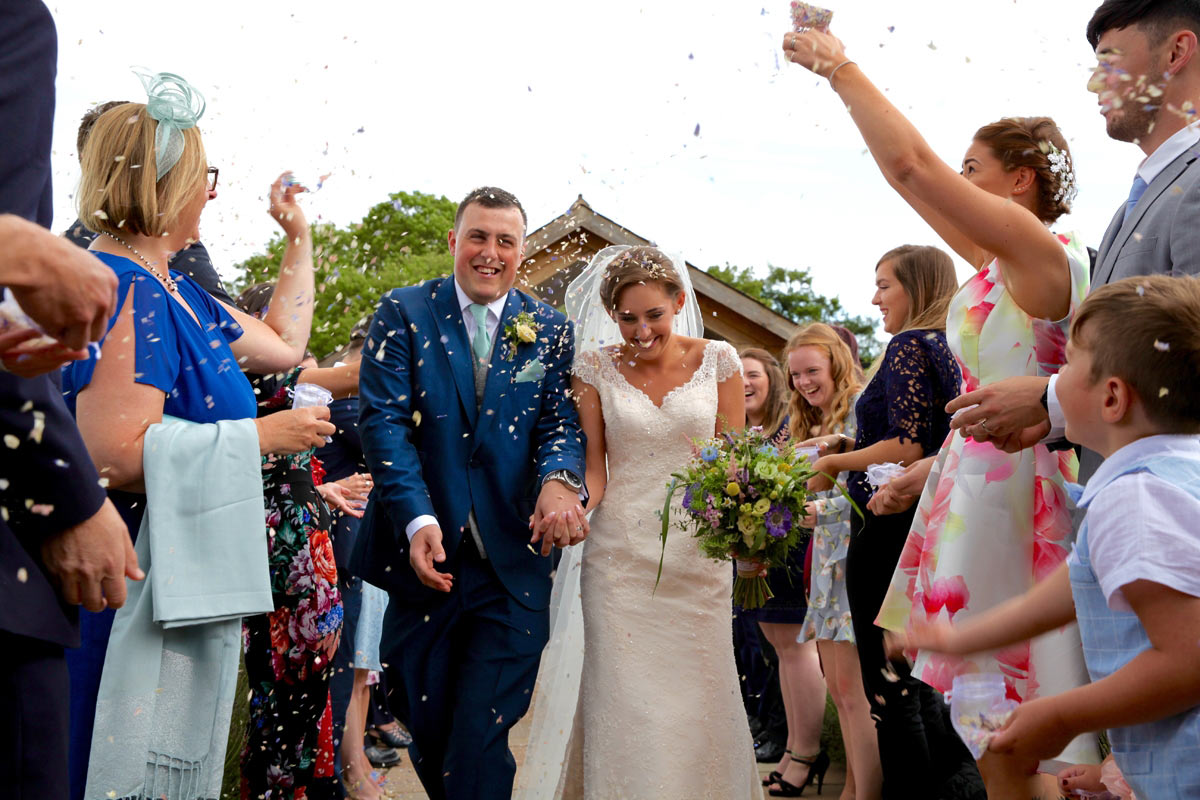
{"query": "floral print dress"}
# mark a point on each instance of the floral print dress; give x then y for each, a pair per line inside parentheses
(289, 743)
(991, 524)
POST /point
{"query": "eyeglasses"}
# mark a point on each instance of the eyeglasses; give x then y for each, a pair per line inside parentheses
(212, 178)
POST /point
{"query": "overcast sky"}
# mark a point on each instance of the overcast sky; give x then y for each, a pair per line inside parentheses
(553, 98)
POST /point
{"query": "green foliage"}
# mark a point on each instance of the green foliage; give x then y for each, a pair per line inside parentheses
(789, 292)
(400, 242)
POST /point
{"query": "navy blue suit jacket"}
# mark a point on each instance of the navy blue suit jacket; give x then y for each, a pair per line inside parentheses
(55, 475)
(431, 451)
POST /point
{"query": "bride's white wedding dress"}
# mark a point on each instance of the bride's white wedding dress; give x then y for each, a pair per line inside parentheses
(660, 714)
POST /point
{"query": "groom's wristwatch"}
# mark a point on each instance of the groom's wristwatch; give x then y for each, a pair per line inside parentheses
(564, 476)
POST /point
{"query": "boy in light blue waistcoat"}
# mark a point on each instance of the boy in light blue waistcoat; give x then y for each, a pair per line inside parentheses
(1131, 392)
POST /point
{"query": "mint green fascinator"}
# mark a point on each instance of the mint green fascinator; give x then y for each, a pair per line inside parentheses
(176, 106)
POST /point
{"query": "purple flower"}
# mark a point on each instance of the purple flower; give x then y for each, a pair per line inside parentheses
(779, 521)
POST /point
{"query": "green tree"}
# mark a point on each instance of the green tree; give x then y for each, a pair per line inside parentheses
(400, 242)
(789, 292)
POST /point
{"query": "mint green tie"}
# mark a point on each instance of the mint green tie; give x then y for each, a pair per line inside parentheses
(481, 346)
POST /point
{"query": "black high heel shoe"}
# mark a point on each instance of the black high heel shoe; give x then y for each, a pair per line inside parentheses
(817, 767)
(775, 775)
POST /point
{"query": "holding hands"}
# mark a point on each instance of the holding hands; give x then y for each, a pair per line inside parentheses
(558, 519)
(1007, 413)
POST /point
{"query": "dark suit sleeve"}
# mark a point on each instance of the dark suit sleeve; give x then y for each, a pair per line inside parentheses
(195, 262)
(28, 58)
(51, 484)
(385, 422)
(558, 433)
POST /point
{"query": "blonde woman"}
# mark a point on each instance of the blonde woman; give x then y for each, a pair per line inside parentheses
(826, 381)
(800, 683)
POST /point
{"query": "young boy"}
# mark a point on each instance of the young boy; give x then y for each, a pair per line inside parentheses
(1131, 392)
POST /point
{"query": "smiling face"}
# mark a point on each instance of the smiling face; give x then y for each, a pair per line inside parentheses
(811, 374)
(644, 313)
(757, 385)
(1128, 68)
(891, 298)
(487, 246)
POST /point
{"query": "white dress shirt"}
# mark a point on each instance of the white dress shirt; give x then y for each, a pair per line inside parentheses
(1140, 527)
(494, 310)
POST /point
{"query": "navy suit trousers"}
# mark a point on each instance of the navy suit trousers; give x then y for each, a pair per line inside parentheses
(468, 661)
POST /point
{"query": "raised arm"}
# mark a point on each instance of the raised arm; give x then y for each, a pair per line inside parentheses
(1035, 263)
(277, 341)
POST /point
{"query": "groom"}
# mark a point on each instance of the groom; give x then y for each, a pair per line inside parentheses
(470, 434)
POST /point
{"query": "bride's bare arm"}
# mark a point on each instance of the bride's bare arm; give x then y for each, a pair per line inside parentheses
(731, 404)
(591, 419)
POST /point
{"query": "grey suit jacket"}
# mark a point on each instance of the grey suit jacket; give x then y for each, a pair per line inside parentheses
(1161, 237)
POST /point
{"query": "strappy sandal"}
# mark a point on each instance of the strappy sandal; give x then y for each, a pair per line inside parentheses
(775, 775)
(817, 765)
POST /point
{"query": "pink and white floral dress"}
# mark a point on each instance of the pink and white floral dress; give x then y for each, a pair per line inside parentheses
(990, 524)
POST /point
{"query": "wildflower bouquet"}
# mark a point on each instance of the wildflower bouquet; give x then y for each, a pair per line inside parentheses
(744, 495)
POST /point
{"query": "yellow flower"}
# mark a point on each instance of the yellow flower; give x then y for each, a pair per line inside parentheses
(748, 526)
(746, 508)
(526, 333)
(732, 489)
(762, 506)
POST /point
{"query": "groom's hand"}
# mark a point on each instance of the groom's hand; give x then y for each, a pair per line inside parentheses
(425, 550)
(558, 519)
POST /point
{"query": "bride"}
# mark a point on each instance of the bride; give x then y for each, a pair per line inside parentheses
(658, 711)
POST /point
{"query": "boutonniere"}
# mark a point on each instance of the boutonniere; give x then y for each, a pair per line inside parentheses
(521, 329)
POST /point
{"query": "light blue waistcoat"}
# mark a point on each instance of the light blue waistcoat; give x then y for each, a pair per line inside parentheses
(1158, 759)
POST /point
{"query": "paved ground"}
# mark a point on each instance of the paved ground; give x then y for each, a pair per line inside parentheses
(402, 783)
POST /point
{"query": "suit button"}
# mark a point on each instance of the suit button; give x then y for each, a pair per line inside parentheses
(474, 463)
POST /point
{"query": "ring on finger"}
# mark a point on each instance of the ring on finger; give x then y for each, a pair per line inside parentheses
(983, 424)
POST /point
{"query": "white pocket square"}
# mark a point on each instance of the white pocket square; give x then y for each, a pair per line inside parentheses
(533, 371)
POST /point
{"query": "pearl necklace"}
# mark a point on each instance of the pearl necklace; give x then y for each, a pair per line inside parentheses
(167, 279)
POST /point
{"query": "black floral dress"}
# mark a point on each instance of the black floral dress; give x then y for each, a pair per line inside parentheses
(289, 743)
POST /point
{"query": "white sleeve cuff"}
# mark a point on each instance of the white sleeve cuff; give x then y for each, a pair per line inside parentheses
(418, 523)
(1058, 422)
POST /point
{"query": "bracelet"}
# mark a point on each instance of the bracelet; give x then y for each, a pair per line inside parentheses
(835, 69)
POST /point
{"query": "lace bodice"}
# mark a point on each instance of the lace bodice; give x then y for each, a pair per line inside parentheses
(643, 439)
(907, 398)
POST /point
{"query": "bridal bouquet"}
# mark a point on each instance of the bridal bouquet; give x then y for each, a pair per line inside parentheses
(744, 496)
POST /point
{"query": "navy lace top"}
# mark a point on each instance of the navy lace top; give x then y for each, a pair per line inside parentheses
(906, 399)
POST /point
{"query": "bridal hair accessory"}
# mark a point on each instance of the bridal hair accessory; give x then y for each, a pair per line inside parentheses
(1060, 165)
(176, 106)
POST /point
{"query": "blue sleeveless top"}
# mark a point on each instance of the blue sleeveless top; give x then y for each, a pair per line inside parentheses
(190, 362)
(1161, 758)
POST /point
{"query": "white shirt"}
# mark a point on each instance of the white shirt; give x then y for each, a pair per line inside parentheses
(1176, 145)
(1140, 527)
(492, 322)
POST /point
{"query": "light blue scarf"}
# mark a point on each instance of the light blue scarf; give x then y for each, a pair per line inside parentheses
(166, 694)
